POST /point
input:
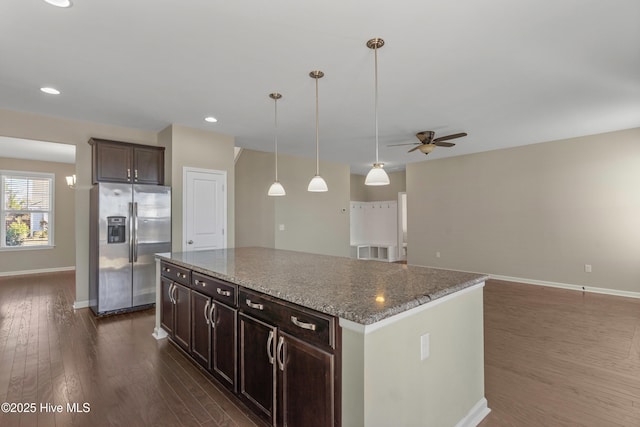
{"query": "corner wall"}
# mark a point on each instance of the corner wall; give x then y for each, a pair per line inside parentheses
(46, 128)
(313, 222)
(538, 212)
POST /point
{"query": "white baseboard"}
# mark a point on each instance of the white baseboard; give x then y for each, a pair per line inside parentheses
(80, 304)
(475, 414)
(38, 271)
(592, 289)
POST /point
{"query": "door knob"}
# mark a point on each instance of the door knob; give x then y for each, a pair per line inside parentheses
(190, 242)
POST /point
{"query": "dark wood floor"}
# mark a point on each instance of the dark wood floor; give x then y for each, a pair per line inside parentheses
(50, 353)
(552, 358)
(556, 357)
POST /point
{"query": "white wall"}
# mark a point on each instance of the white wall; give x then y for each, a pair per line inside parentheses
(537, 212)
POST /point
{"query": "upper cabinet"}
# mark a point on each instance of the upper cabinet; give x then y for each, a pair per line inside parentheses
(115, 161)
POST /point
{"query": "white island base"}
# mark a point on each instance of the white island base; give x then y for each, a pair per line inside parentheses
(423, 367)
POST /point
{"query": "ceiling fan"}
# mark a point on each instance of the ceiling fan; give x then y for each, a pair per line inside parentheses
(428, 142)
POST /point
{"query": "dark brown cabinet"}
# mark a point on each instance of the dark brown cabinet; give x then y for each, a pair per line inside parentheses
(124, 162)
(200, 328)
(306, 387)
(257, 375)
(288, 365)
(224, 346)
(281, 359)
(175, 315)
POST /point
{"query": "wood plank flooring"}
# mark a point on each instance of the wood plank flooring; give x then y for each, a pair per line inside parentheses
(50, 353)
(552, 358)
(556, 357)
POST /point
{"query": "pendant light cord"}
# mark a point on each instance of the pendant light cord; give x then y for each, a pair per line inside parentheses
(317, 134)
(276, 136)
(375, 51)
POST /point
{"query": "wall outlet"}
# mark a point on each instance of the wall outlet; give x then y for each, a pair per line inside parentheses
(587, 268)
(438, 254)
(424, 347)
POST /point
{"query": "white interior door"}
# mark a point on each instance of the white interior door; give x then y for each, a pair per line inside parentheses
(204, 209)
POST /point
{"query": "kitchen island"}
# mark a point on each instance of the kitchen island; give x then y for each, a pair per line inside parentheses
(408, 347)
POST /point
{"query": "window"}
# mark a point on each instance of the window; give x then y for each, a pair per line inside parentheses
(26, 211)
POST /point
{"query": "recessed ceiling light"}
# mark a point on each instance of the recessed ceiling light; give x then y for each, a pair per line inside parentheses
(59, 3)
(50, 90)
(210, 119)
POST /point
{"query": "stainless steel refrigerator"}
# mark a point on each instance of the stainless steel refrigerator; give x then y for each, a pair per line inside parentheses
(129, 223)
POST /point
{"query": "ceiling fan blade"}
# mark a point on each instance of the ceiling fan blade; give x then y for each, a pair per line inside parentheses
(448, 137)
(414, 148)
(444, 144)
(407, 143)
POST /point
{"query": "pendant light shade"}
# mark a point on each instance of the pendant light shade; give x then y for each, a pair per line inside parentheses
(377, 175)
(317, 184)
(276, 188)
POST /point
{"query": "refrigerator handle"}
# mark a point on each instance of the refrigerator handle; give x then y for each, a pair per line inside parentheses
(130, 232)
(135, 232)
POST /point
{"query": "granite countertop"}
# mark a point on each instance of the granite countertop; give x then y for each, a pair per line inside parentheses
(361, 291)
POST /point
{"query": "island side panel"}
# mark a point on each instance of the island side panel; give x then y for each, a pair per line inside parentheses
(158, 332)
(399, 388)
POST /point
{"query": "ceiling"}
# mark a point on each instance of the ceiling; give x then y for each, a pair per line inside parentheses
(507, 73)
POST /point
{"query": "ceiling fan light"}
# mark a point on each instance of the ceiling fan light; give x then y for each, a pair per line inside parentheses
(317, 185)
(377, 175)
(276, 189)
(426, 148)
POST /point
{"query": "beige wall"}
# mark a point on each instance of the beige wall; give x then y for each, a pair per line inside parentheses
(385, 382)
(46, 128)
(63, 255)
(255, 211)
(313, 222)
(366, 193)
(538, 212)
(197, 149)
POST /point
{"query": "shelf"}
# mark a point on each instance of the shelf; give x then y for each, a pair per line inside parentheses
(375, 252)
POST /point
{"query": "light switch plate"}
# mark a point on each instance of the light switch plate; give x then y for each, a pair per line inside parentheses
(281, 227)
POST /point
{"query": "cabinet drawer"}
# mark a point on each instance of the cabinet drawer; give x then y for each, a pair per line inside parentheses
(259, 306)
(175, 273)
(217, 289)
(308, 325)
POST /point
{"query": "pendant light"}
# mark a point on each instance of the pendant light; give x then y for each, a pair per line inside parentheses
(276, 188)
(317, 184)
(377, 175)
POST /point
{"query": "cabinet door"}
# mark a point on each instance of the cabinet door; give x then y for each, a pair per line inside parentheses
(182, 321)
(257, 365)
(305, 384)
(166, 310)
(148, 165)
(200, 335)
(112, 162)
(224, 344)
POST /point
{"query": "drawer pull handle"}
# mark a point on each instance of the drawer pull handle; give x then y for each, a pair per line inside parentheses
(224, 293)
(303, 325)
(253, 305)
(183, 276)
(200, 282)
(166, 270)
